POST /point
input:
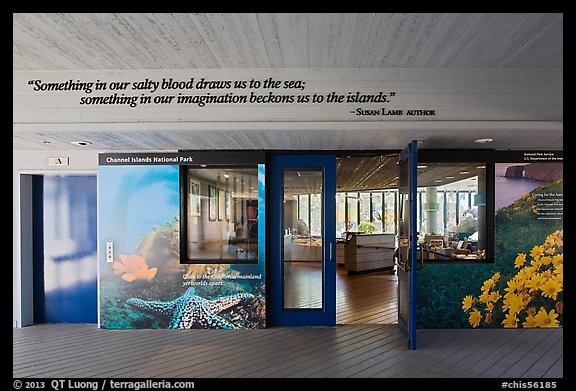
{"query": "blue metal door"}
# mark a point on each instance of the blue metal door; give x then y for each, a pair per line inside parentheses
(302, 216)
(407, 242)
(65, 247)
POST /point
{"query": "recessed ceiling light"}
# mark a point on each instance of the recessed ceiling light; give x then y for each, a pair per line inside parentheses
(226, 176)
(81, 143)
(480, 167)
(449, 177)
(203, 165)
(464, 172)
(483, 140)
(438, 180)
(421, 166)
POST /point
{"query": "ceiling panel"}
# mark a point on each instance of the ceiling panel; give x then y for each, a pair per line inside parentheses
(125, 41)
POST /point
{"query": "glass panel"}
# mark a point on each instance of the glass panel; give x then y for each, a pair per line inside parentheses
(365, 208)
(440, 214)
(340, 215)
(451, 211)
(377, 211)
(462, 204)
(302, 247)
(454, 224)
(316, 214)
(352, 217)
(404, 244)
(390, 212)
(222, 214)
(304, 225)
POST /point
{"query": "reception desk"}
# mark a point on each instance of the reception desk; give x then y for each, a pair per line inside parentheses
(369, 252)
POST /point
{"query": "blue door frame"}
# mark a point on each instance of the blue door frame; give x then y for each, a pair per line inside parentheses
(326, 316)
(407, 243)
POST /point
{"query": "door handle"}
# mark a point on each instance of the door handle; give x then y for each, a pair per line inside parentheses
(331, 254)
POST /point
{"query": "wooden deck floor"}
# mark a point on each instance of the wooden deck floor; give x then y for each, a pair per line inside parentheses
(82, 350)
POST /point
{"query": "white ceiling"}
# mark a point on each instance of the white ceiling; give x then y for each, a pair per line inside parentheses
(125, 41)
(137, 41)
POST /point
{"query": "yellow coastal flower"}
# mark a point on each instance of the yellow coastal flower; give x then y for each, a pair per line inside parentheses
(546, 260)
(494, 296)
(558, 259)
(510, 322)
(467, 302)
(519, 261)
(550, 241)
(545, 319)
(512, 286)
(531, 311)
(558, 237)
(489, 309)
(535, 281)
(559, 272)
(546, 274)
(488, 284)
(524, 275)
(475, 318)
(537, 263)
(488, 319)
(496, 277)
(550, 250)
(513, 303)
(537, 252)
(484, 297)
(551, 288)
(530, 322)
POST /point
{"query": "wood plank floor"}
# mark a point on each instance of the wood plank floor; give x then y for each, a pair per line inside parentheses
(83, 350)
(368, 298)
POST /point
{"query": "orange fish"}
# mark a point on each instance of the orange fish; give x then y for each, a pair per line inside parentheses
(133, 267)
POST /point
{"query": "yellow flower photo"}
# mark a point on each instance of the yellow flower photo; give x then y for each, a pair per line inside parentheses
(551, 288)
(519, 261)
(475, 318)
(547, 319)
(467, 302)
(511, 321)
(537, 252)
(538, 283)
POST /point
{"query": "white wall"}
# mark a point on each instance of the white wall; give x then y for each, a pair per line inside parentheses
(466, 94)
(25, 163)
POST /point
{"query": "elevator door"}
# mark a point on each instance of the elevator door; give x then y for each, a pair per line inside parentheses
(65, 248)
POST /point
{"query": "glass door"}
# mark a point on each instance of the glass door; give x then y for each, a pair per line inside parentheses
(302, 240)
(407, 241)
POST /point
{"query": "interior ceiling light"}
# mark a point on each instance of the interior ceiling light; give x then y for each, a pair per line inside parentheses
(449, 177)
(483, 140)
(464, 172)
(81, 143)
(203, 165)
(480, 167)
(421, 166)
(438, 180)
